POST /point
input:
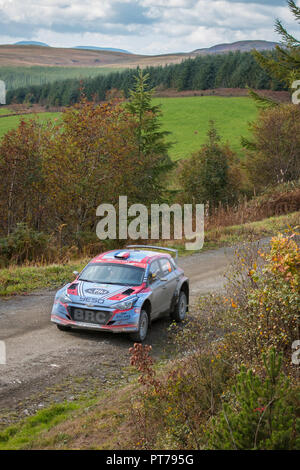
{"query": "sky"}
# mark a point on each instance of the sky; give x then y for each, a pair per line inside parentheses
(142, 26)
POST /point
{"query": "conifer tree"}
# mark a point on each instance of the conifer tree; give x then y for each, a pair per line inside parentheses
(151, 139)
(285, 66)
(259, 415)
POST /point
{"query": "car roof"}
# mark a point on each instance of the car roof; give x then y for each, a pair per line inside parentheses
(136, 257)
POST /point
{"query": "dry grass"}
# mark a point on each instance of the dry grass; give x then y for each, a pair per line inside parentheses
(16, 55)
(272, 205)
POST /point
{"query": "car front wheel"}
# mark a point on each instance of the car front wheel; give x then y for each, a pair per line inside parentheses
(141, 334)
(180, 309)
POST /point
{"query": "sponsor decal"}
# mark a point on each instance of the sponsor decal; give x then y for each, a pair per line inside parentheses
(91, 300)
(96, 291)
(89, 316)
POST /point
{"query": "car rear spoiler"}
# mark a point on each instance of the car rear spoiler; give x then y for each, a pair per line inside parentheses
(163, 248)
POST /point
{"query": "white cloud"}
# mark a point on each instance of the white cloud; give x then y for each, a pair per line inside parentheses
(143, 26)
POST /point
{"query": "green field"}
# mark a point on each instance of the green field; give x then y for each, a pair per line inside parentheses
(188, 119)
(10, 122)
(16, 77)
(4, 111)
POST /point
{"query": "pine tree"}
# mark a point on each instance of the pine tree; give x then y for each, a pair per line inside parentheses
(147, 116)
(151, 139)
(259, 415)
(285, 67)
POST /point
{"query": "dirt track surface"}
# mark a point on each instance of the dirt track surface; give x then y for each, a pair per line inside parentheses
(45, 365)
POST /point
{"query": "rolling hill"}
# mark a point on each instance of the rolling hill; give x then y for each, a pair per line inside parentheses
(28, 54)
(31, 55)
(31, 43)
(96, 48)
(243, 46)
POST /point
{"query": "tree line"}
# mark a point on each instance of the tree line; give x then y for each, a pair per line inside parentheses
(232, 70)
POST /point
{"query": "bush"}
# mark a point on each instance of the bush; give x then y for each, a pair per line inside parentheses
(274, 154)
(25, 245)
(172, 410)
(192, 403)
(264, 309)
(258, 415)
(258, 310)
(211, 174)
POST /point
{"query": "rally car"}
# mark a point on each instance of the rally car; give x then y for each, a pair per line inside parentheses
(123, 291)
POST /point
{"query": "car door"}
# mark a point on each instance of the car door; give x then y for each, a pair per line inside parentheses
(170, 280)
(158, 290)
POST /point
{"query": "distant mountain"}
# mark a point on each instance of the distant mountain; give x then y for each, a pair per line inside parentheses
(95, 48)
(243, 46)
(31, 43)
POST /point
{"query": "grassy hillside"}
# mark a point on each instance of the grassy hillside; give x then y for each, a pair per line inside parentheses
(188, 119)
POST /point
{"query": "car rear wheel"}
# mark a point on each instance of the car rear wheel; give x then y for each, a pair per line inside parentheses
(180, 310)
(63, 328)
(141, 334)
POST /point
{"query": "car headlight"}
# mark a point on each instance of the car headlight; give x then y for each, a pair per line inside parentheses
(125, 305)
(65, 298)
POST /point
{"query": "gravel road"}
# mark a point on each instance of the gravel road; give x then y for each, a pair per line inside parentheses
(46, 365)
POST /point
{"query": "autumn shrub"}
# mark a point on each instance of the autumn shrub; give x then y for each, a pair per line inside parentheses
(172, 409)
(259, 308)
(212, 174)
(251, 325)
(274, 153)
(25, 245)
(275, 201)
(57, 174)
(264, 312)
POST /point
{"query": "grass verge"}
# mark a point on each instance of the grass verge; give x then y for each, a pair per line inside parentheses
(235, 234)
(24, 279)
(95, 424)
(22, 435)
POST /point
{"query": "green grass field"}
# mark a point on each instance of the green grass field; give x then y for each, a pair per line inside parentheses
(4, 111)
(11, 122)
(188, 120)
(16, 77)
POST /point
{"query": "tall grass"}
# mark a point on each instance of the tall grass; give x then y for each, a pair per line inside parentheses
(278, 201)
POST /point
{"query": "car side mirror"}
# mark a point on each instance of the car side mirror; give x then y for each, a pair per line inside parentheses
(76, 273)
(152, 277)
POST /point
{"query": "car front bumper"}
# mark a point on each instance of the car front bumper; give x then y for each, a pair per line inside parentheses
(94, 326)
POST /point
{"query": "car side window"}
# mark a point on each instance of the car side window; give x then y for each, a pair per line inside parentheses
(166, 266)
(154, 268)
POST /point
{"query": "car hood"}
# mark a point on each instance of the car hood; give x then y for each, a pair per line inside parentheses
(99, 294)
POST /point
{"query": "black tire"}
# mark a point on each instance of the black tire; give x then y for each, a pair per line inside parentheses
(180, 309)
(141, 334)
(63, 327)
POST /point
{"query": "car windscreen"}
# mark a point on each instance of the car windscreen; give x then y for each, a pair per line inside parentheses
(113, 273)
